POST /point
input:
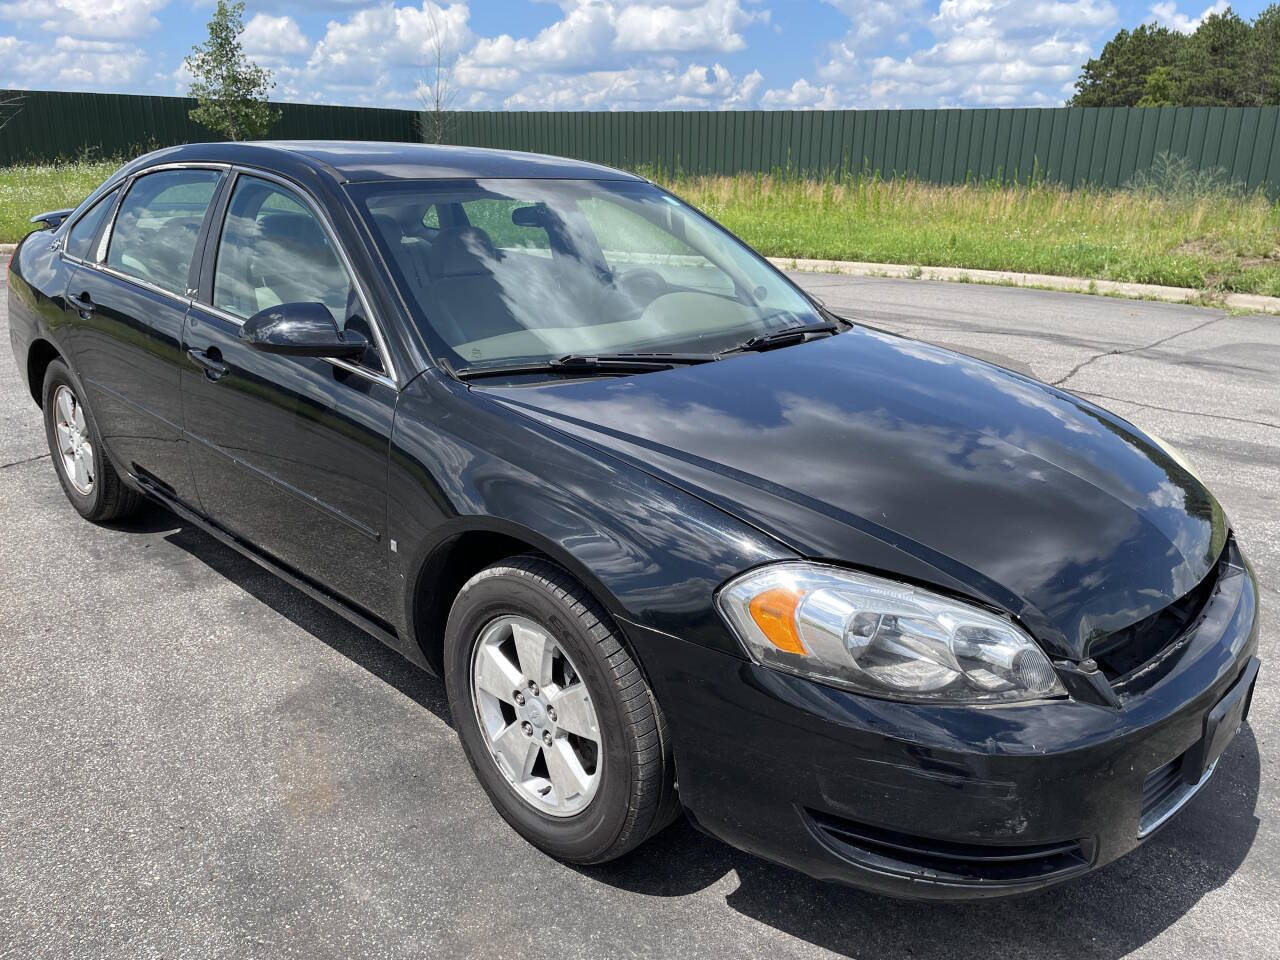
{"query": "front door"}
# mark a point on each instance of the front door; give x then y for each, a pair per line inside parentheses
(127, 304)
(289, 453)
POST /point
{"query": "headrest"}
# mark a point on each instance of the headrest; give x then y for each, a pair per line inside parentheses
(461, 252)
(296, 232)
(389, 227)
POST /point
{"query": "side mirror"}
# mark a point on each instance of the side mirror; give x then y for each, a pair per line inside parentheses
(301, 330)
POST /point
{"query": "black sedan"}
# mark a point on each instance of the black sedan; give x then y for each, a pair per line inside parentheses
(676, 537)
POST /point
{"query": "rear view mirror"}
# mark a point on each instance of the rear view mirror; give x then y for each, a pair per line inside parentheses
(301, 330)
(536, 215)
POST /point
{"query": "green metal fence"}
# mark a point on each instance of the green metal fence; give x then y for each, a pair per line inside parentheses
(1072, 146)
(1097, 146)
(52, 126)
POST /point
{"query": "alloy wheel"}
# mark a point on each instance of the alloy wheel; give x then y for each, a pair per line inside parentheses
(536, 716)
(74, 443)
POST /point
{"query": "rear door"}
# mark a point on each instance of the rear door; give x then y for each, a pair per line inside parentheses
(127, 296)
(289, 453)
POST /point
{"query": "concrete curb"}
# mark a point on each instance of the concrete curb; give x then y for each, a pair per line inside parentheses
(1139, 291)
(1008, 278)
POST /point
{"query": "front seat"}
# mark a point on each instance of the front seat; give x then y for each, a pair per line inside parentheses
(467, 301)
(294, 261)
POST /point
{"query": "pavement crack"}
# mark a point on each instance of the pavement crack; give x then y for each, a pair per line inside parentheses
(18, 463)
(1125, 350)
(1186, 413)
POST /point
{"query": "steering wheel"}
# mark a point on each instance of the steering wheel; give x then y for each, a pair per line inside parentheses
(642, 283)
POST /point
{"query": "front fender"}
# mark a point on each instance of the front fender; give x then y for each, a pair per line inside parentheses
(652, 554)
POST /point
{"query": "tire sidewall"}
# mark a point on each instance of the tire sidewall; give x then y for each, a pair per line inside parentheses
(86, 504)
(585, 835)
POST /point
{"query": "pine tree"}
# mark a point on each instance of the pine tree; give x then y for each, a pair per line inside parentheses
(1226, 62)
(1160, 89)
(1118, 77)
(1212, 69)
(1264, 58)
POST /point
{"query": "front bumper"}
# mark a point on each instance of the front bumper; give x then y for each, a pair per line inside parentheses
(942, 802)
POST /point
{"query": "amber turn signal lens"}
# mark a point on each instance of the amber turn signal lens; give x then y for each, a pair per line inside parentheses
(774, 612)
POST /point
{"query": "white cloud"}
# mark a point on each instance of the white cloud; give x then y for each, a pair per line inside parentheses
(376, 55)
(71, 63)
(268, 36)
(710, 26)
(1167, 14)
(391, 35)
(584, 36)
(598, 31)
(610, 54)
(638, 88)
(599, 54)
(801, 95)
(87, 18)
(983, 52)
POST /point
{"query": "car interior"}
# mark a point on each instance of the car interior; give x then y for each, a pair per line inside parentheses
(500, 278)
(274, 251)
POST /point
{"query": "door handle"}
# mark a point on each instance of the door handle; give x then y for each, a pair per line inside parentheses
(214, 368)
(83, 303)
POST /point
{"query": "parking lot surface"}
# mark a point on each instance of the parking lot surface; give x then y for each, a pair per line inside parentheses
(198, 761)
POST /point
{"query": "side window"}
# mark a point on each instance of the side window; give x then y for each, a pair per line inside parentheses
(83, 231)
(154, 237)
(274, 250)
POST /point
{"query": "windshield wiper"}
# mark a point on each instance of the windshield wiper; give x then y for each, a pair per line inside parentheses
(784, 337)
(600, 363)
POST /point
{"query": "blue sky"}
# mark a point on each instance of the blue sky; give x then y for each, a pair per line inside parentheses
(598, 54)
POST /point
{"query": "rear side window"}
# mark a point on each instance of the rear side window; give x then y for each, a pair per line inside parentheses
(80, 239)
(154, 237)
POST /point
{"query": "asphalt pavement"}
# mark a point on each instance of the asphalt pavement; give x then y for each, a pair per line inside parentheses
(198, 761)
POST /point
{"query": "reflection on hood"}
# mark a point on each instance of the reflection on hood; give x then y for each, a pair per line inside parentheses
(1010, 486)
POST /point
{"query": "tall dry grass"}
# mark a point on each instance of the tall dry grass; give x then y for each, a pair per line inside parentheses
(1212, 238)
(36, 188)
(1175, 227)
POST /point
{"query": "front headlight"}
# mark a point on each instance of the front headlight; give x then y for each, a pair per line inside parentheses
(881, 637)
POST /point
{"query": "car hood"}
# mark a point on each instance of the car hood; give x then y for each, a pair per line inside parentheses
(889, 454)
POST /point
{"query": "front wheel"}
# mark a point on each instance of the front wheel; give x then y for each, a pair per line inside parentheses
(555, 716)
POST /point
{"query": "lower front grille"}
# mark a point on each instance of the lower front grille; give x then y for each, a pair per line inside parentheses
(1164, 793)
(943, 861)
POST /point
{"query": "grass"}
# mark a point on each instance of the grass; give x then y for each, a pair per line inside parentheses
(1216, 240)
(28, 190)
(1202, 236)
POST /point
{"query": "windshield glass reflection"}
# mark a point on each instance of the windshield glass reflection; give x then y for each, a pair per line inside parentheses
(502, 270)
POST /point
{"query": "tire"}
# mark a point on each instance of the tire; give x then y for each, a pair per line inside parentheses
(634, 793)
(92, 485)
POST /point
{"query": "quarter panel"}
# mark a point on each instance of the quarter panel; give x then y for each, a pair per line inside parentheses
(37, 287)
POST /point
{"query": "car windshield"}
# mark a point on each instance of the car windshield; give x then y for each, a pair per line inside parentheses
(529, 270)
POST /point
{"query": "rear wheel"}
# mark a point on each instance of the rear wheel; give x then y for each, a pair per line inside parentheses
(554, 714)
(87, 477)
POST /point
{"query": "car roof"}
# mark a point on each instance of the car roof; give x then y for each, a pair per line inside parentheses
(359, 160)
